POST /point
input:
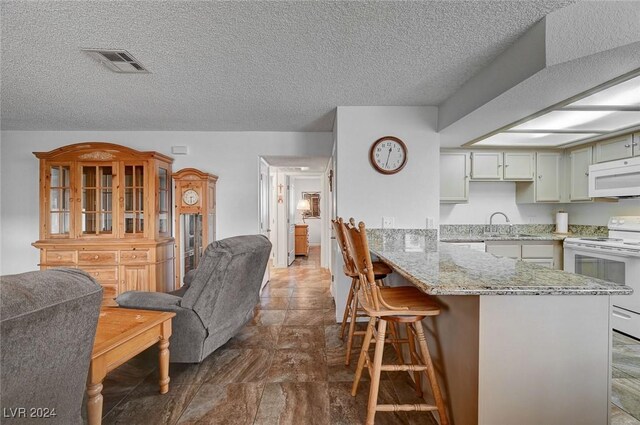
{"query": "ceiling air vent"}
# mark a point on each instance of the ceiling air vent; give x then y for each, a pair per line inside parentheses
(117, 60)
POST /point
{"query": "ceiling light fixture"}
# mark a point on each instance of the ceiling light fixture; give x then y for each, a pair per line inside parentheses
(613, 107)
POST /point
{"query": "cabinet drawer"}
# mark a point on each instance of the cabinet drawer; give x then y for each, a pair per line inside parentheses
(60, 257)
(537, 251)
(134, 256)
(511, 251)
(103, 274)
(301, 231)
(97, 257)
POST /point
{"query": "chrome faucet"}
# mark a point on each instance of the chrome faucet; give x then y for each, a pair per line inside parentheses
(494, 214)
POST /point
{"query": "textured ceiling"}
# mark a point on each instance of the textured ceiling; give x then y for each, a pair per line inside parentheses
(281, 66)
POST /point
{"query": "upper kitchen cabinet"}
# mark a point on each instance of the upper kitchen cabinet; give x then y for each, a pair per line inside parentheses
(454, 177)
(616, 148)
(486, 166)
(579, 161)
(548, 176)
(496, 166)
(518, 165)
(547, 185)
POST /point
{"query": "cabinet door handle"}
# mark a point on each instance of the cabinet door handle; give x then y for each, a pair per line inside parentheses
(586, 174)
(627, 146)
(96, 257)
(540, 176)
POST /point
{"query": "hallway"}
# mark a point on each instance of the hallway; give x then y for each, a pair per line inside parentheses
(285, 367)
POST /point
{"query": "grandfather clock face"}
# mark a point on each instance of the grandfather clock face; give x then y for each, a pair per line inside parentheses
(190, 197)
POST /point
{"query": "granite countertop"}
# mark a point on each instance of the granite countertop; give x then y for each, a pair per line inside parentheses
(447, 269)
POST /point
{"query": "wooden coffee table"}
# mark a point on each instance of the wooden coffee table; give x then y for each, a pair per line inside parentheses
(123, 333)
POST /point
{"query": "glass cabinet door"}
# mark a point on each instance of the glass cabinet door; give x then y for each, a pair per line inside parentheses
(191, 244)
(97, 199)
(59, 199)
(163, 201)
(134, 207)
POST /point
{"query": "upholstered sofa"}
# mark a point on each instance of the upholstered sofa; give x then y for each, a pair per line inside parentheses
(48, 323)
(217, 299)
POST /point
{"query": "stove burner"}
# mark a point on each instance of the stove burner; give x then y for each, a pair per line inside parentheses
(602, 239)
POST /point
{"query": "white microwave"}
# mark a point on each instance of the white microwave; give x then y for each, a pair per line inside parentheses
(615, 178)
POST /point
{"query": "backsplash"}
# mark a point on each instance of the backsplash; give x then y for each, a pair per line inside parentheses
(419, 240)
(477, 230)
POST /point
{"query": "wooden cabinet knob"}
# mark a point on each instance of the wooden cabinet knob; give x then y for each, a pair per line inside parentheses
(59, 257)
(134, 256)
(96, 257)
(96, 273)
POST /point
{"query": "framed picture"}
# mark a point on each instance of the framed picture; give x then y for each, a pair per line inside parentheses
(314, 202)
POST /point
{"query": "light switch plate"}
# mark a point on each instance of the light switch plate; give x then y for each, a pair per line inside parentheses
(388, 222)
(430, 223)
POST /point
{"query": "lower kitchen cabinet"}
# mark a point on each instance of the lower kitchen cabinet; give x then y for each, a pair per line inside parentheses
(510, 250)
(544, 253)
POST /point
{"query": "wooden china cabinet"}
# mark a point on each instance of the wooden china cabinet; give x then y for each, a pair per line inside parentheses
(195, 227)
(105, 209)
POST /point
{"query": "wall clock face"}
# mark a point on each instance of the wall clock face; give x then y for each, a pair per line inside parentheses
(190, 197)
(388, 155)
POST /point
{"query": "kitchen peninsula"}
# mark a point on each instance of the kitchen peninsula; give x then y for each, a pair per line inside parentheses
(516, 343)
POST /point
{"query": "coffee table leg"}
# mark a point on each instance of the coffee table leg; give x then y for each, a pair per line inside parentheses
(94, 393)
(163, 345)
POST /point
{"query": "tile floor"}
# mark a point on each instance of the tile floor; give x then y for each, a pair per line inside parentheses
(285, 367)
(625, 387)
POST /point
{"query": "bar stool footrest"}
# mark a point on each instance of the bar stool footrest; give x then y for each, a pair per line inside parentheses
(403, 368)
(405, 408)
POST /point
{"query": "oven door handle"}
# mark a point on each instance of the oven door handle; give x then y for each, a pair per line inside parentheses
(603, 251)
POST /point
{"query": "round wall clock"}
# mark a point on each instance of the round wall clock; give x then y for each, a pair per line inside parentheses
(388, 155)
(190, 197)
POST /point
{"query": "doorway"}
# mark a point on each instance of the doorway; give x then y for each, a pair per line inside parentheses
(298, 210)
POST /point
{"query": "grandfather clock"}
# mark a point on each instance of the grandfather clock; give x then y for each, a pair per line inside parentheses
(195, 218)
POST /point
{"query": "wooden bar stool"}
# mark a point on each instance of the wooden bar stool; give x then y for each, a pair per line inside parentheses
(404, 305)
(352, 309)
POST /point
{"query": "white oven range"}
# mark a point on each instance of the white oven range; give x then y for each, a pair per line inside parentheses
(615, 259)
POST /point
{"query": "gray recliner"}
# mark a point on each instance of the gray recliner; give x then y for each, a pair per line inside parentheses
(217, 300)
(48, 323)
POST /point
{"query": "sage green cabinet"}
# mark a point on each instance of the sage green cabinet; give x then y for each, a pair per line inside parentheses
(454, 177)
(548, 176)
(486, 166)
(616, 148)
(518, 165)
(579, 161)
(497, 166)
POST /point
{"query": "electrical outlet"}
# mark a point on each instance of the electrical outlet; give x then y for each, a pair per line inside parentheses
(388, 222)
(531, 220)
